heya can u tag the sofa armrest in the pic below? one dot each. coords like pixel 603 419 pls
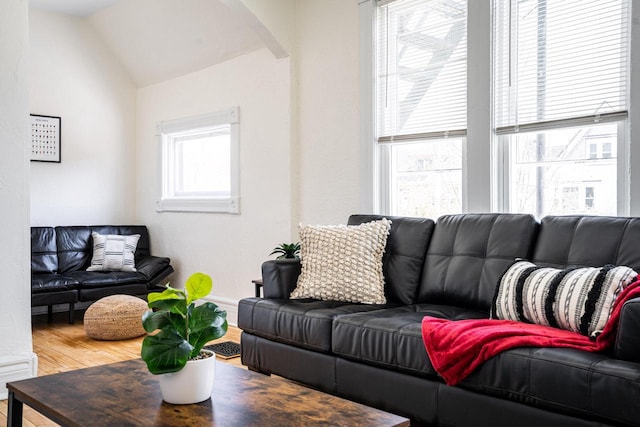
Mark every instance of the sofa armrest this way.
pixel 151 266
pixel 627 346
pixel 279 277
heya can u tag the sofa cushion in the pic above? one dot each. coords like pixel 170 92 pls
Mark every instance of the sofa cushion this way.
pixel 586 241
pixel 403 256
pixel 98 279
pixel 302 323
pixel 343 263
pixel 590 385
pixel 50 282
pixel 392 337
pixel 44 258
pixel 74 248
pixel 469 253
pixel 578 299
pixel 113 252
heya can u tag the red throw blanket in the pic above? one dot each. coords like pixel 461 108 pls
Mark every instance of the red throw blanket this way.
pixel 457 348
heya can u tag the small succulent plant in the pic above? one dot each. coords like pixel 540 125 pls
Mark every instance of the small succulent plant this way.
pixel 287 251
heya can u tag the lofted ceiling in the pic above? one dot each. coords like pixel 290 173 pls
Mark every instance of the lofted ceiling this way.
pixel 157 40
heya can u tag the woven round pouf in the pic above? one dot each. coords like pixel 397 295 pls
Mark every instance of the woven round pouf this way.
pixel 116 317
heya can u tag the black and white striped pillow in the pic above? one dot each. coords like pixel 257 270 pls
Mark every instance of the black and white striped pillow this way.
pixel 113 252
pixel 578 299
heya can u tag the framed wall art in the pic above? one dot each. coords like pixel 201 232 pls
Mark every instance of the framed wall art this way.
pixel 45 138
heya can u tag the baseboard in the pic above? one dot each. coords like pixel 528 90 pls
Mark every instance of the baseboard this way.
pixel 227 304
pixel 15 368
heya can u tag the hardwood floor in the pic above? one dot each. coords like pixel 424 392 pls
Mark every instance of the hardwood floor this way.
pixel 62 347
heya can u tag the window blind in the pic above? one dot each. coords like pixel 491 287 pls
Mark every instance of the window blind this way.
pixel 421 70
pixel 560 61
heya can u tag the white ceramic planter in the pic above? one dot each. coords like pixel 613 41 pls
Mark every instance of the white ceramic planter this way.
pixel 191 384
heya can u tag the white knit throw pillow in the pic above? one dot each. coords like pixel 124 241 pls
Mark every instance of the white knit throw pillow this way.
pixel 343 263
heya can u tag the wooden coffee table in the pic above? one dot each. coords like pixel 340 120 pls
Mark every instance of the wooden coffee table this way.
pixel 126 394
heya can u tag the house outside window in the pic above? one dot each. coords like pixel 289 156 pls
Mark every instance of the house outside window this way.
pixel 200 163
pixel 570 198
pixel 561 76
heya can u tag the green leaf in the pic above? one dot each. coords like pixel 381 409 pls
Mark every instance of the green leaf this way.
pixel 168 294
pixel 206 315
pixel 207 322
pixel 152 320
pixel 177 306
pixel 165 352
pixel 198 285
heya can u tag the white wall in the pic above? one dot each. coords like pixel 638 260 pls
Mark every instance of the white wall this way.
pixel 17 360
pixel 329 159
pixel 228 247
pixel 278 19
pixel 73 75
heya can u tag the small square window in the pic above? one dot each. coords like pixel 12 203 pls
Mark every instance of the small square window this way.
pixel 200 171
pixel 589 197
pixel 203 163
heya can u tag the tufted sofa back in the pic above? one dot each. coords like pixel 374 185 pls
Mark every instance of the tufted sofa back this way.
pixel 75 245
pixel 468 253
pixel 588 241
pixel 404 254
pixel 70 248
pixel 44 255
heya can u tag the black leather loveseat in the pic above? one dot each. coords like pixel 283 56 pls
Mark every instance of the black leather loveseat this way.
pixel 374 354
pixel 60 257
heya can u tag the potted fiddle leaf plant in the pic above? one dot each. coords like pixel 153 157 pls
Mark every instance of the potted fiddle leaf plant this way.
pixel 175 353
pixel 287 251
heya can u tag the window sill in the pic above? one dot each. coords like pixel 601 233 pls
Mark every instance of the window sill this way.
pixel 225 205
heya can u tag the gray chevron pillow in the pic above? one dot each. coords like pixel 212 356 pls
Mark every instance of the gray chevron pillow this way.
pixel 112 252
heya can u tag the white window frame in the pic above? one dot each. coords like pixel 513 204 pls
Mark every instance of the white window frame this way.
pixel 171 131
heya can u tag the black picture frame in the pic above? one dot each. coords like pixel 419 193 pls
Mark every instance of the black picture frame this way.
pixel 46 138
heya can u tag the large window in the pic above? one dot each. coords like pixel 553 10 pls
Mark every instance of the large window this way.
pixel 561 73
pixel 421 110
pixel 200 168
pixel 543 127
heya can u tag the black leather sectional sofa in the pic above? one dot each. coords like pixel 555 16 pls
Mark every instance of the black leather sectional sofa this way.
pixel 374 354
pixel 61 255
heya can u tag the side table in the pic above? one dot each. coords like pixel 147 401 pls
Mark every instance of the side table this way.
pixel 258 285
